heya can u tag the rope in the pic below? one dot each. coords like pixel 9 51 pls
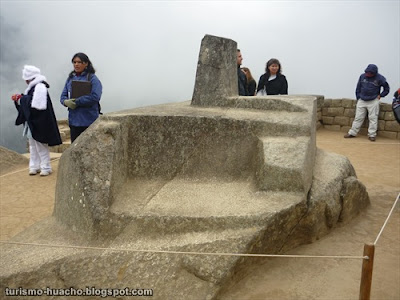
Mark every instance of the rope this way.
pixel 387 219
pixel 183 252
pixel 204 253
pixel 24 169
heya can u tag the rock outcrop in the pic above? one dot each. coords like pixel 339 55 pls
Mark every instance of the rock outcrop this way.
pixel 218 174
pixel 10 159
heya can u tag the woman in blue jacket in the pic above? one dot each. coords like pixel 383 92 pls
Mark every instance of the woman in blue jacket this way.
pixel 85 109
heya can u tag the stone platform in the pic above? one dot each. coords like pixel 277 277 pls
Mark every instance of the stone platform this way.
pixel 233 175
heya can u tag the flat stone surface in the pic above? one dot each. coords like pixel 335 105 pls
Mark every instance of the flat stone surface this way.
pixel 198 198
pixel 131 238
pixel 185 109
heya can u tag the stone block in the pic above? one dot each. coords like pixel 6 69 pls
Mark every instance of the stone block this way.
pixel 388 134
pixel 363 131
pixel 349 112
pixel 292 173
pixel 381 125
pixel 344 121
pixel 354 198
pixel 60 148
pixel 216 76
pixel 63 136
pixel 385 107
pixel 325 111
pixel 320 101
pixel 349 103
pixel 389 116
pixel 63 122
pixel 90 172
pixel 332 127
pixel 335 111
pixel 320 98
pixel 345 128
pixel 188 177
pixel 328 180
pixel 392 126
pixel 319 115
pixel 327 102
pixel 327 120
pixel 336 103
pixel 381 115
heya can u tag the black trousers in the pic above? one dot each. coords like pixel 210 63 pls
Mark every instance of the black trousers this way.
pixel 76 131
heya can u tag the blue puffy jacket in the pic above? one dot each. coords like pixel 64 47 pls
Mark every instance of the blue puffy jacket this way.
pixel 88 106
pixel 368 88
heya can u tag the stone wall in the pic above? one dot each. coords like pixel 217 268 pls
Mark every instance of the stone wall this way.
pixel 338 115
pixel 65 137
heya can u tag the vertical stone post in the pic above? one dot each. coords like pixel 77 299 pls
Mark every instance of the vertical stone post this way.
pixel 216 76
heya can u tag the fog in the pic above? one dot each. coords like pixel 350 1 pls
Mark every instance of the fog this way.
pixel 145 52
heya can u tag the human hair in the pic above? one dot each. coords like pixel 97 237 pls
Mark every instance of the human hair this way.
pixel 248 74
pixel 84 58
pixel 271 62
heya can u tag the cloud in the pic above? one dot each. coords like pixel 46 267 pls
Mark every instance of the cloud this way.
pixel 11 54
pixel 145 52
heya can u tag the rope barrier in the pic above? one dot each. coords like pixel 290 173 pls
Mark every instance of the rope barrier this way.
pixel 202 253
pixel 25 169
pixel 387 219
pixel 212 253
pixel 183 252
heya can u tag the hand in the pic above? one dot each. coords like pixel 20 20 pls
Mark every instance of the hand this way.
pixel 70 103
pixel 16 97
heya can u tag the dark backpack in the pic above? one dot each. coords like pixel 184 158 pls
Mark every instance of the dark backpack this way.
pixel 396 109
pixel 88 77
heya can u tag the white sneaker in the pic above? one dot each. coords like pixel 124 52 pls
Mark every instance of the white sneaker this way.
pixel 33 171
pixel 45 172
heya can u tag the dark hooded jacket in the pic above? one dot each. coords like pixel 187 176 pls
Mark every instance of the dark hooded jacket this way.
pixel 368 88
pixel 242 83
pixel 42 123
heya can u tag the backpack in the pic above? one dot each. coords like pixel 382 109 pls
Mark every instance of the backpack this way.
pixel 396 109
pixel 88 77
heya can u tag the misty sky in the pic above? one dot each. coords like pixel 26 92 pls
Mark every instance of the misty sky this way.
pixel 145 52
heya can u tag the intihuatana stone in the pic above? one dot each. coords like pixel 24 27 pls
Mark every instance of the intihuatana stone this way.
pixel 218 174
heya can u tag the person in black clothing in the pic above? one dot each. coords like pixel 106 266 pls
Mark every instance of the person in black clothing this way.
pixel 35 112
pixel 251 83
pixel 273 82
pixel 242 81
pixel 396 105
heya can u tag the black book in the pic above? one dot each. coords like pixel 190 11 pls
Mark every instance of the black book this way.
pixel 80 88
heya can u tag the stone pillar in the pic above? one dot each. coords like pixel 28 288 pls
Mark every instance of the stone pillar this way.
pixel 216 76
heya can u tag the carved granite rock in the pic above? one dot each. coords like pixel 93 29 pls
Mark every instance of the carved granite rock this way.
pixel 219 174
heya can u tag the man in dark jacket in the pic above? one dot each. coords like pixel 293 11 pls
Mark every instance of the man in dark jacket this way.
pixel 242 80
pixel 368 94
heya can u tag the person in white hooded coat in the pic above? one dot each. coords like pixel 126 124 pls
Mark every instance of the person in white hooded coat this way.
pixel 35 112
